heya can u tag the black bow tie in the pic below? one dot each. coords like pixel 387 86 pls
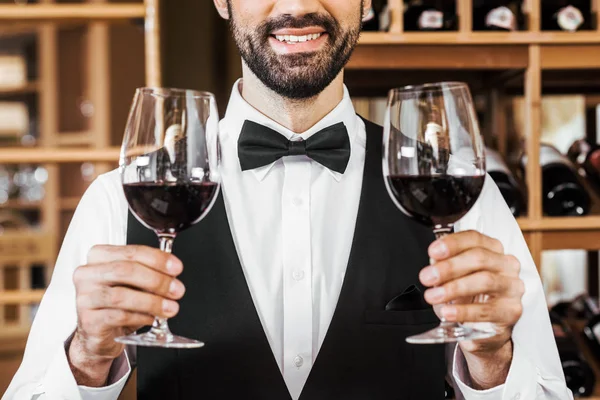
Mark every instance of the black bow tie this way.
pixel 259 146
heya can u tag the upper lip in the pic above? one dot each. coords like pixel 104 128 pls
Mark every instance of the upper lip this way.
pixel 298 32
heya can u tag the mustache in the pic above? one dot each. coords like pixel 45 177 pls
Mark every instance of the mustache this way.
pixel 328 23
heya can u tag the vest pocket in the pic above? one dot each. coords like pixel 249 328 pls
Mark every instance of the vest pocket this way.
pixel 409 317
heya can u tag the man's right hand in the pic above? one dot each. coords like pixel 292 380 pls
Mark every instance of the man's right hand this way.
pixel 120 290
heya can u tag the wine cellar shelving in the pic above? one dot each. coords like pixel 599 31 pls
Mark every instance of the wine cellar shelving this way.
pixel 530 63
pixel 489 61
pixel 77 92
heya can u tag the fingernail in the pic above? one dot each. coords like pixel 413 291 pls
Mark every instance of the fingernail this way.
pixel 176 288
pixel 173 265
pixel 438 249
pixel 430 275
pixel 436 294
pixel 170 307
pixel 449 312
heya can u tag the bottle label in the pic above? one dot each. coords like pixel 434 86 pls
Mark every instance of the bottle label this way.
pixel 431 19
pixel 501 17
pixel 596 331
pixel 495 163
pixel 570 18
pixel 370 15
pixel 550 155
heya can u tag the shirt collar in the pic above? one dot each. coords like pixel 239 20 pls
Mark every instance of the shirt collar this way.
pixel 238 111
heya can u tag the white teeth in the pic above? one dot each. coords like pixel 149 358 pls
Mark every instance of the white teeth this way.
pixel 298 39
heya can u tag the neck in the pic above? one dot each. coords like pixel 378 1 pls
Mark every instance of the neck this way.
pixel 295 115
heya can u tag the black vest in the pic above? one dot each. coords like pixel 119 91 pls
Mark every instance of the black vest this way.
pixel 364 355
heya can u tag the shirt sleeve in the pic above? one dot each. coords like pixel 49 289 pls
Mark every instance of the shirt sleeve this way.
pixel 536 371
pixel 44 373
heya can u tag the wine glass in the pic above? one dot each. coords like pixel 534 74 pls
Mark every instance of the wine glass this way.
pixel 169 169
pixel 434 168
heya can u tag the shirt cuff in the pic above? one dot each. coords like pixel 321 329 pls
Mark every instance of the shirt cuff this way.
pixel 117 378
pixel 59 382
pixel 521 382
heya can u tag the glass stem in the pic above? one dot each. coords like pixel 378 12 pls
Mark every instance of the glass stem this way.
pixel 439 234
pixel 160 327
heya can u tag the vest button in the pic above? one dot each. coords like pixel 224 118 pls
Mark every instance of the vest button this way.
pixel 298 275
pixel 298 361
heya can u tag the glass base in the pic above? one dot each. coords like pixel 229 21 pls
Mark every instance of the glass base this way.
pixel 168 341
pixel 450 333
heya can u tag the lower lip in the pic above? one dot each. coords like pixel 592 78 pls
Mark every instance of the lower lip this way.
pixel 300 47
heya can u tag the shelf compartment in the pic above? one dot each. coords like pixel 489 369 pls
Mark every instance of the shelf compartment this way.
pixel 71 12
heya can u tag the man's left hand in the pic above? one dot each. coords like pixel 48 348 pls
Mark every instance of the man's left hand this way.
pixel 468 264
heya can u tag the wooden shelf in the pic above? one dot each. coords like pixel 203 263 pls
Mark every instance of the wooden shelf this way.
pixel 21 205
pixel 30 87
pixel 15 332
pixel 21 296
pixel 480 38
pixel 48 155
pixel 69 203
pixel 71 12
pixel 75 138
pixel 560 224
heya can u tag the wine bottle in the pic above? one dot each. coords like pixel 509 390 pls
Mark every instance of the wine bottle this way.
pixel 582 307
pixel 506 182
pixel 429 15
pixel 496 15
pixel 591 331
pixel 579 375
pixel 566 15
pixel 586 156
pixel 371 20
pixel 563 193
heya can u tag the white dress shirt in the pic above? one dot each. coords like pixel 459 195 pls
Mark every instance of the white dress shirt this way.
pixel 273 211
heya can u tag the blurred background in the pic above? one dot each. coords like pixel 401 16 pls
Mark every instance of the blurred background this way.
pixel 68 70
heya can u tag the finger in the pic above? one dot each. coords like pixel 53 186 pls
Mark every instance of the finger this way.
pixel 456 243
pixel 127 299
pixel 469 286
pixel 100 319
pixel 468 262
pixel 128 273
pixel 151 257
pixel 503 313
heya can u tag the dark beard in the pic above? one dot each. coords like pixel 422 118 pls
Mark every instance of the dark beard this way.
pixel 296 76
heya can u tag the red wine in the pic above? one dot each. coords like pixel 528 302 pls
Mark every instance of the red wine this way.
pixel 436 200
pixel 169 208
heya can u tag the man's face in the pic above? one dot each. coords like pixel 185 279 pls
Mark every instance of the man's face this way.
pixel 296 47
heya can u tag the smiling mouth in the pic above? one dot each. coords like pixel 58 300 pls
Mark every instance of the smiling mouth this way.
pixel 293 39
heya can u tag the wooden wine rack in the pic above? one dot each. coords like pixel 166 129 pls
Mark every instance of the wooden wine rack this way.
pixel 381 60
pixel 19 250
pixel 395 58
